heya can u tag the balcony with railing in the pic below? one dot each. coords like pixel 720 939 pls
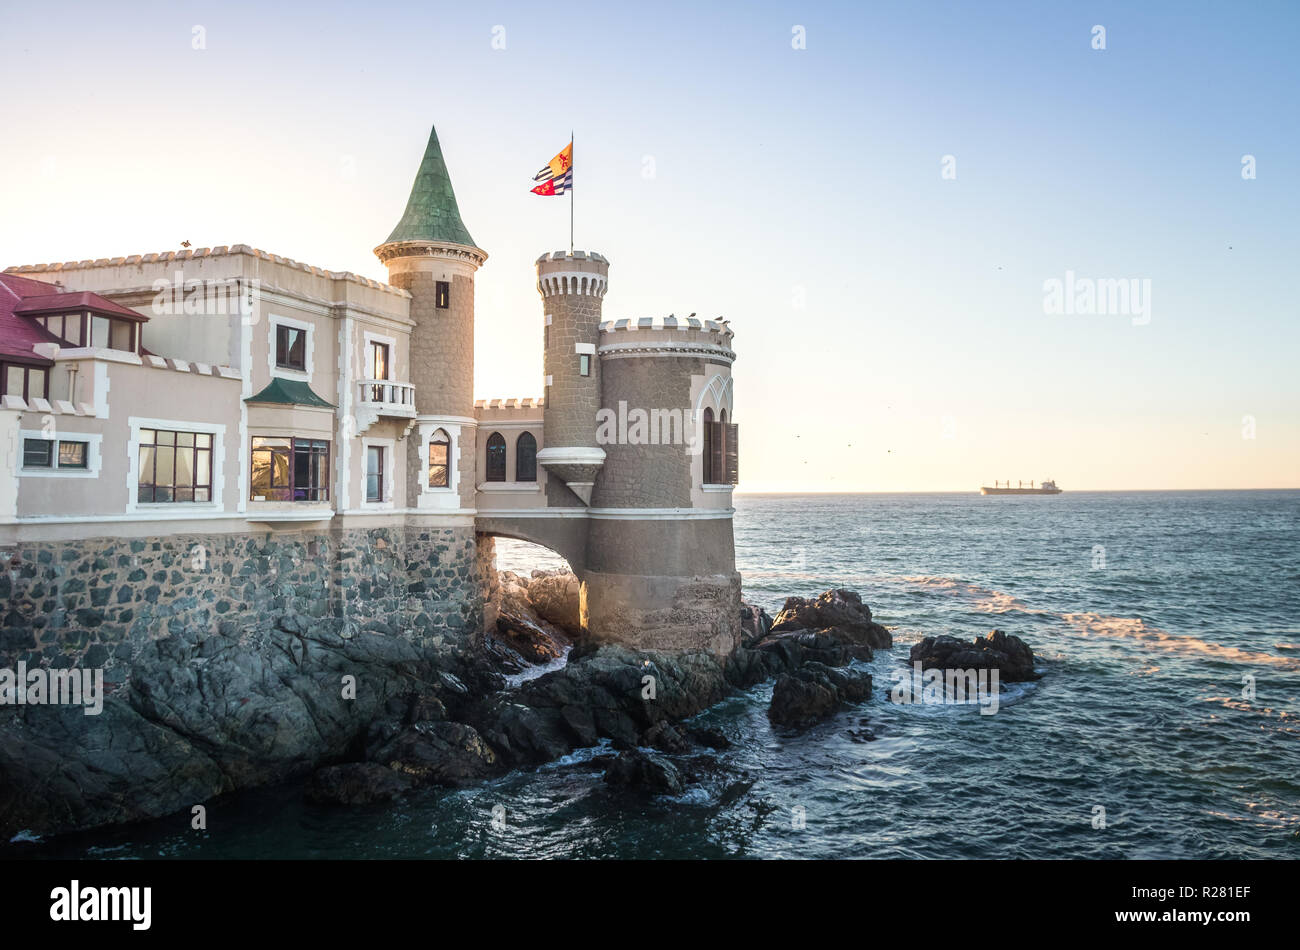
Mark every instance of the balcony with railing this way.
pixel 386 397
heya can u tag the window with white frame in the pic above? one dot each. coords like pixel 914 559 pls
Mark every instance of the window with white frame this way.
pixel 65 454
pixel 291 347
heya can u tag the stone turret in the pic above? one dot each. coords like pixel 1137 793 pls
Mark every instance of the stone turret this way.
pixel 431 254
pixel 572 285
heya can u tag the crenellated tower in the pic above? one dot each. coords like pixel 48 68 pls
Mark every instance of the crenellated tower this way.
pixel 572 285
pixel 431 254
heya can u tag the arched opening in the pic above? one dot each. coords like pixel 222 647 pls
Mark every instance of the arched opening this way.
pixel 496 458
pixel 526 458
pixel 532 613
pixel 707 457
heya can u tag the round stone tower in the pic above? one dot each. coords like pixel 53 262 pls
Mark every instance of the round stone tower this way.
pixel 431 254
pixel 572 285
pixel 661 567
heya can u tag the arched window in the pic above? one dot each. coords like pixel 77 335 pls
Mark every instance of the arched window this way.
pixel 439 460
pixel 496 457
pixel 707 458
pixel 526 458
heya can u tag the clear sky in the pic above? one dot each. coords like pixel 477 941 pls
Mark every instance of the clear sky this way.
pixel 890 322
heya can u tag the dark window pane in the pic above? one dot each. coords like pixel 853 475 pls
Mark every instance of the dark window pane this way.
pixel 496 457
pixel 526 458
pixel 442 294
pixel 38 453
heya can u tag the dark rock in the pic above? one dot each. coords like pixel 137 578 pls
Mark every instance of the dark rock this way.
pixel 356 783
pixel 605 694
pixel 665 737
pixel 708 737
pixel 839 612
pixel 799 702
pixel 1010 656
pixel 645 770
pixel 814 692
pixel 754 624
pixel 439 753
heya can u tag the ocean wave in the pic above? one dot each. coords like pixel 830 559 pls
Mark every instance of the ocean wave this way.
pixel 986 599
pixel 1135 628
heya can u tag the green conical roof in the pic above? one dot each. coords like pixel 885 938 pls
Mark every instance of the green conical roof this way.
pixel 431 212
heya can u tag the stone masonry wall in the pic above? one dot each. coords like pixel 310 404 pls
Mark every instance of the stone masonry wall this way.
pixel 571 400
pixel 442 344
pixel 97 603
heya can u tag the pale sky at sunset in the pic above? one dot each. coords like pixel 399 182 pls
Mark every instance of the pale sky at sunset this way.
pixel 889 323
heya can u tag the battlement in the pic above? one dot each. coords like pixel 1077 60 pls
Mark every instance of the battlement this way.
pixel 585 273
pixel 526 403
pixel 199 253
pixel 670 335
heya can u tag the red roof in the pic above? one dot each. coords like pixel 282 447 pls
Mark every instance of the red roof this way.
pixel 18 334
pixel 63 303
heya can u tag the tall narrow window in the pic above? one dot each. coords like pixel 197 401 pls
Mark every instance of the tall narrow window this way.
pixel 290 347
pixel 526 458
pixel 379 364
pixel 584 364
pixel 496 457
pixel 378 369
pixel 374 473
pixel 730 451
pixel 442 294
pixel 706 458
pixel 439 460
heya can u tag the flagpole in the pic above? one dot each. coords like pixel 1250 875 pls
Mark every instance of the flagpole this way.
pixel 570 194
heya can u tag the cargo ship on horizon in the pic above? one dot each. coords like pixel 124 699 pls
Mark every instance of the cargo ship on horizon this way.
pixel 1046 488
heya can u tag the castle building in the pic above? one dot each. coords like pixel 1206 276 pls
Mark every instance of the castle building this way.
pixel 223 438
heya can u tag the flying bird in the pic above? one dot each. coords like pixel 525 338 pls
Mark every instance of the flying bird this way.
pixel 185 243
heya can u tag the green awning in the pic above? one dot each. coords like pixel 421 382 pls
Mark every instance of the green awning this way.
pixel 431 212
pixel 289 392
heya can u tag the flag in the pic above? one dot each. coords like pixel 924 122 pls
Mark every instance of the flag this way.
pixel 557 166
pixel 556 186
